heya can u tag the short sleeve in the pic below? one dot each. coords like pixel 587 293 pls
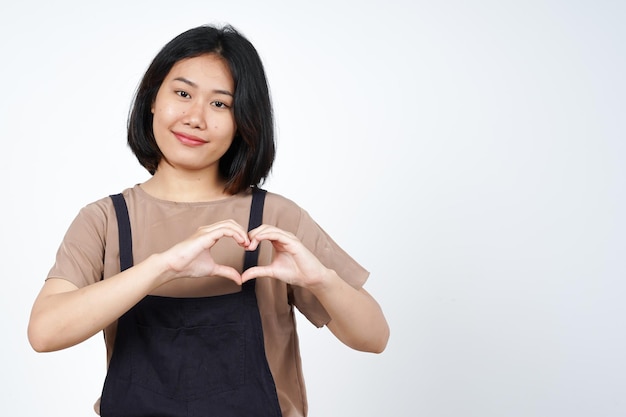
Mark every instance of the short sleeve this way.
pixel 80 257
pixel 332 256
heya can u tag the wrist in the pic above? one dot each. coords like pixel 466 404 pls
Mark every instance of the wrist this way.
pixel 159 269
pixel 327 282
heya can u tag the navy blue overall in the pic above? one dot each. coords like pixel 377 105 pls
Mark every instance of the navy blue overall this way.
pixel 190 356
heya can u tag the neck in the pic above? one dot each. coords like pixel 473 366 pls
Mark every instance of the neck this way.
pixel 184 186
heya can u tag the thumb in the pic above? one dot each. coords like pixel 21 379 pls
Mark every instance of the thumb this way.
pixel 256 272
pixel 228 272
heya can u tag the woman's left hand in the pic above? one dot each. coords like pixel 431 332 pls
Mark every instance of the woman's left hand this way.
pixel 356 318
pixel 293 263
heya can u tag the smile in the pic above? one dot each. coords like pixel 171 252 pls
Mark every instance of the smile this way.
pixel 189 140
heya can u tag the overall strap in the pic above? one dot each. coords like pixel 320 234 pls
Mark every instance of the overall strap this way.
pixel 256 219
pixel 125 235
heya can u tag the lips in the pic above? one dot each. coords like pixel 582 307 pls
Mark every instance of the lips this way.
pixel 189 140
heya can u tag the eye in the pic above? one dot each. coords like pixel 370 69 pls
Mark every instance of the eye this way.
pixel 183 94
pixel 220 104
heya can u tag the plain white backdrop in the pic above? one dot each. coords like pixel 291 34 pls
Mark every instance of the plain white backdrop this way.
pixel 471 155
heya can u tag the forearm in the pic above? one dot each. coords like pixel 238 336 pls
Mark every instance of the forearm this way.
pixel 356 318
pixel 63 316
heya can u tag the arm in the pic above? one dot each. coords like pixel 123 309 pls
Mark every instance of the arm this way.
pixel 356 318
pixel 64 315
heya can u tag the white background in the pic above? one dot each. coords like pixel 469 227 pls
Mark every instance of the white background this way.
pixel 471 155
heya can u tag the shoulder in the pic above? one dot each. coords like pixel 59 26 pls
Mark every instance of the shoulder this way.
pixel 98 213
pixel 277 201
pixel 104 206
pixel 288 215
pixel 282 212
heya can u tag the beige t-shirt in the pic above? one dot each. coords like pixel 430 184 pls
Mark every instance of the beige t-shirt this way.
pixel 90 252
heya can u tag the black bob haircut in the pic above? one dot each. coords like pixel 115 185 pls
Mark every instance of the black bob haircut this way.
pixel 249 159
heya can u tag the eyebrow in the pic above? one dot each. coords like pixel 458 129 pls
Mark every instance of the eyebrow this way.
pixel 194 85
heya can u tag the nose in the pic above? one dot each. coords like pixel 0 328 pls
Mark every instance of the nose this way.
pixel 195 115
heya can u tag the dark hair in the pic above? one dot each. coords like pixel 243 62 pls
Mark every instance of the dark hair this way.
pixel 249 159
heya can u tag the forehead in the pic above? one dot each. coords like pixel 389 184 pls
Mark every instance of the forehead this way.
pixel 204 70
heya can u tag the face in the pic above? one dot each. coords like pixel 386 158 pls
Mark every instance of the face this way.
pixel 193 120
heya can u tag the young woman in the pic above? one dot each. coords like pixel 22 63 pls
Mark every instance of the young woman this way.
pixel 193 274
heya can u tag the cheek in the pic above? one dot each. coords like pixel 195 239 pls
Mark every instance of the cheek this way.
pixel 163 115
pixel 227 127
pixel 232 125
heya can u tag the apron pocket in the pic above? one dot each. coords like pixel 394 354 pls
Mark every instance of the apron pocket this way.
pixel 188 363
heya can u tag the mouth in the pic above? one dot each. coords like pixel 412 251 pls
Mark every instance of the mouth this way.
pixel 189 140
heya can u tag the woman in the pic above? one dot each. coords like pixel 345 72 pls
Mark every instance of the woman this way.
pixel 192 328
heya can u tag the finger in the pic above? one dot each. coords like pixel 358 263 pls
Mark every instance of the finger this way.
pixel 262 228
pixel 228 225
pixel 256 272
pixel 227 272
pixel 272 234
pixel 211 234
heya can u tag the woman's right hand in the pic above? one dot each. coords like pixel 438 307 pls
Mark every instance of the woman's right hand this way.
pixel 64 315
